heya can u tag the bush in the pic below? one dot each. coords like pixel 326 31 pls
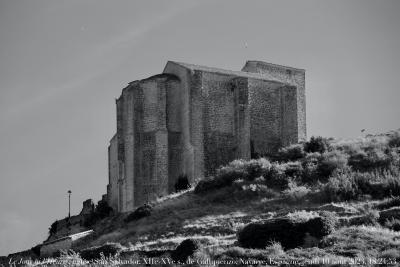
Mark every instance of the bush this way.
pixel 276 178
pixel 329 162
pixel 341 187
pixel 53 228
pixel 316 144
pixel 94 253
pixel 141 212
pixel 293 169
pixel 394 140
pixel 288 232
pixel 309 174
pixel 393 224
pixel 374 159
pixel 213 183
pixel 225 176
pixel 291 153
pixel 296 193
pixel 184 250
pixel 273 175
pixel 348 185
pixel 36 249
pixel 182 183
pixel 329 222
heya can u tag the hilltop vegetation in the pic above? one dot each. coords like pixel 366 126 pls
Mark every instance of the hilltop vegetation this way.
pixel 337 200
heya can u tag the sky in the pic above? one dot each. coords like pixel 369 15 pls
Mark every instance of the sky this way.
pixel 63 63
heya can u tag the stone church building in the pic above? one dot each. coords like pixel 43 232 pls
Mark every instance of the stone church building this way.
pixel 191 119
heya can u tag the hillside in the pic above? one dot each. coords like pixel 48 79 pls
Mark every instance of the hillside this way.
pixel 325 201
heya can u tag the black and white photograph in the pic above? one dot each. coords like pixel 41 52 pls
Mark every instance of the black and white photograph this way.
pixel 199 133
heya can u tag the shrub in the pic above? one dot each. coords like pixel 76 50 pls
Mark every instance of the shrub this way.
pixel 247 170
pixel 329 162
pixel 348 185
pixel 394 140
pixel 184 250
pixel 316 144
pixel 329 222
pixel 208 184
pixel 255 168
pixel 36 249
pixel 247 190
pixel 141 212
pixel 340 187
pixel 291 153
pixel 276 178
pixel 393 224
pixel 213 183
pixel 293 169
pixel 310 164
pixel 296 193
pixel 290 233
pixel 273 175
pixel 374 159
pixel 225 176
pixel 182 183
pixel 108 250
pixel 53 228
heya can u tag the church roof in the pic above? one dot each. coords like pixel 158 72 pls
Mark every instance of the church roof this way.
pixel 224 71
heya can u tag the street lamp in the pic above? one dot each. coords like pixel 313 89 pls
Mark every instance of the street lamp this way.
pixel 69 204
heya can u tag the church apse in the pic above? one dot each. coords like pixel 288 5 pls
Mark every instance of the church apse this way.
pixel 192 119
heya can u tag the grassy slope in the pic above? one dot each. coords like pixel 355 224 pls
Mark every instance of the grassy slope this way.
pixel 215 217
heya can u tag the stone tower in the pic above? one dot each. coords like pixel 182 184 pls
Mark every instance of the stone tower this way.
pixel 191 119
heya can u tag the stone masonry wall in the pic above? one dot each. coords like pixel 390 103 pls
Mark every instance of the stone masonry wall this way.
pixel 265 117
pixel 144 135
pixel 196 104
pixel 113 173
pixel 192 119
pixel 240 86
pixel 224 107
pixel 174 125
pixel 289 119
pixel 128 139
pixel 187 149
pixel 121 153
pixel 288 75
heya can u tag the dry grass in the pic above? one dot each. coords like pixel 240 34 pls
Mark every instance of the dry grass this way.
pixel 214 217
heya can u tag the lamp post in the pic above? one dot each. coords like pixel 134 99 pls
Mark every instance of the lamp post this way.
pixel 69 204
